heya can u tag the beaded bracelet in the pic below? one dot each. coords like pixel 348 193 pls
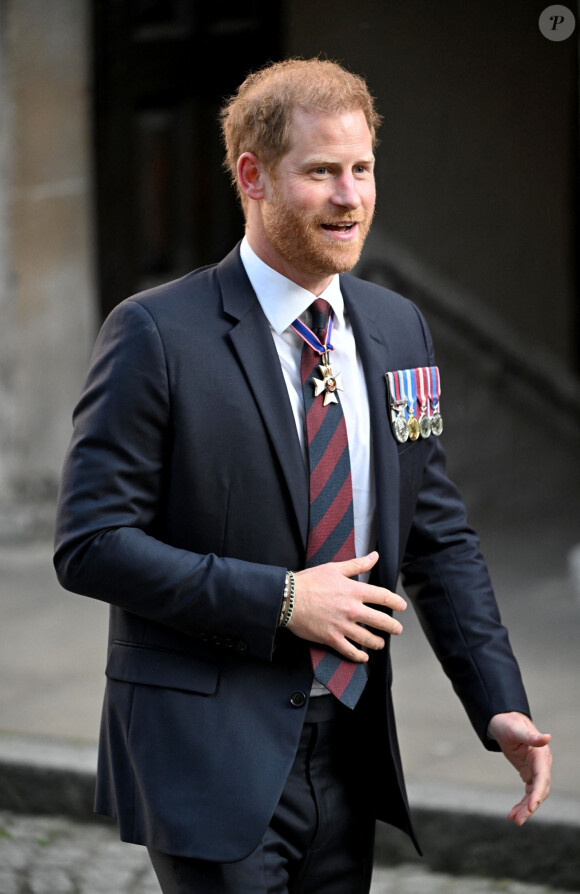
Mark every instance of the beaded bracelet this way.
pixel 287 600
pixel 284 605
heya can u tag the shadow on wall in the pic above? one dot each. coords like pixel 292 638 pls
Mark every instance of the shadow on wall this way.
pixel 512 416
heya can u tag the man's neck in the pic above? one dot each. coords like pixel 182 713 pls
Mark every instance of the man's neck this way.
pixel 267 253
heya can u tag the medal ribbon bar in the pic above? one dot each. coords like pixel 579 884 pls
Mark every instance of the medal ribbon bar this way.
pixel 414 396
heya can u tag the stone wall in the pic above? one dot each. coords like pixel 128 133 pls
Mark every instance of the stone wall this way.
pixel 46 248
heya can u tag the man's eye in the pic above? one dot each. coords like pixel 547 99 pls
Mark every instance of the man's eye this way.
pixel 321 171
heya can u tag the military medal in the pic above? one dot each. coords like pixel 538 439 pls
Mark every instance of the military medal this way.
pixel 434 395
pixel 398 404
pixel 329 383
pixel 413 426
pixel 400 427
pixel 413 422
pixel 425 426
pixel 437 424
pixel 414 398
pixel 421 375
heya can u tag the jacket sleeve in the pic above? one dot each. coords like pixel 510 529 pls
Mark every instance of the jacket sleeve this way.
pixel 106 541
pixel 448 582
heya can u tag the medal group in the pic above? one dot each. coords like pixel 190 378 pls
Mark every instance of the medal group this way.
pixel 414 396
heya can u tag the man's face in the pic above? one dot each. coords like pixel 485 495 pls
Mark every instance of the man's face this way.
pixel 320 201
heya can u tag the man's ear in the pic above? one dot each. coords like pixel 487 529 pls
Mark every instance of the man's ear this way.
pixel 252 176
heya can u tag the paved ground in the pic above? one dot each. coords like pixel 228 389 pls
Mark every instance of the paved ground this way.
pixel 48 855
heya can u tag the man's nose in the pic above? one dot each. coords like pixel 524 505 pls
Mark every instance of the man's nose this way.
pixel 346 192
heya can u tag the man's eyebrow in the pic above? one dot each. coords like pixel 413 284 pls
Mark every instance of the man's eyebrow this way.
pixel 321 161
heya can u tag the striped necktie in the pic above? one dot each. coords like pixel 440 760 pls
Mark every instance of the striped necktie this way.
pixel 331 523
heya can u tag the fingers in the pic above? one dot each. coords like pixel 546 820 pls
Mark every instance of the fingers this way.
pixel 541 776
pixel 349 644
pixel 380 596
pixel 539 740
pixel 359 565
pixel 365 638
pixel 527 734
pixel 528 751
pixel 514 729
pixel 350 640
pixel 379 620
pixel 369 593
pixel 364 615
pixel 332 609
pixel 524 809
pixel 350 651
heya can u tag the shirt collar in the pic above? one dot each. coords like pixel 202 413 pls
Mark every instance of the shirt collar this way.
pixel 281 299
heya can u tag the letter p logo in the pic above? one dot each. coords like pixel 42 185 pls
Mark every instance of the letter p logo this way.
pixel 557 22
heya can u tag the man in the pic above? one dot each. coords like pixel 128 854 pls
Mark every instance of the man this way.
pixel 223 490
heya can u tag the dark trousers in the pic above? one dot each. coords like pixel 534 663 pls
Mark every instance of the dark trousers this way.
pixel 320 839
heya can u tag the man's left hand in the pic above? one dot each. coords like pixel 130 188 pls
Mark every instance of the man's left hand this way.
pixel 527 749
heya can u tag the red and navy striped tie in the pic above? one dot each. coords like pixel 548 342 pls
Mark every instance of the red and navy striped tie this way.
pixel 331 525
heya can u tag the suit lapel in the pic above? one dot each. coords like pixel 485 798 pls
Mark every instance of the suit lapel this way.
pixel 373 346
pixel 253 343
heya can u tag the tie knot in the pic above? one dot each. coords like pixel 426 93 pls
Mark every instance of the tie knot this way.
pixel 320 310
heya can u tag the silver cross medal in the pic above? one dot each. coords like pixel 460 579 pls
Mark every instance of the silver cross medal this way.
pixel 328 384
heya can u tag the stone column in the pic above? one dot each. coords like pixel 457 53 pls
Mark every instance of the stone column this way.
pixel 7 322
pixel 46 248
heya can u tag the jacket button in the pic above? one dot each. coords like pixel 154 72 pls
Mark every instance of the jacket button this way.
pixel 297 699
pixel 241 646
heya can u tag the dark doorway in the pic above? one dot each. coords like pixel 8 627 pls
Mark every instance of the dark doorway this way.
pixel 162 69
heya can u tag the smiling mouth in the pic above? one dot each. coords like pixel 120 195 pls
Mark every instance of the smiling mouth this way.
pixel 339 227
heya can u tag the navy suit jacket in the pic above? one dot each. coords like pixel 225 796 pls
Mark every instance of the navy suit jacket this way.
pixel 184 499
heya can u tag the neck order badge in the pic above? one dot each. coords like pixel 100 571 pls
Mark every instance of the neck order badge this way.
pixel 319 341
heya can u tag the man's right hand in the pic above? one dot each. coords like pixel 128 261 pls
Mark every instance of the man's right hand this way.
pixel 331 609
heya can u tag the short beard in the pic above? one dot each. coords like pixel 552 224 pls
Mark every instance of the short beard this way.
pixel 300 242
